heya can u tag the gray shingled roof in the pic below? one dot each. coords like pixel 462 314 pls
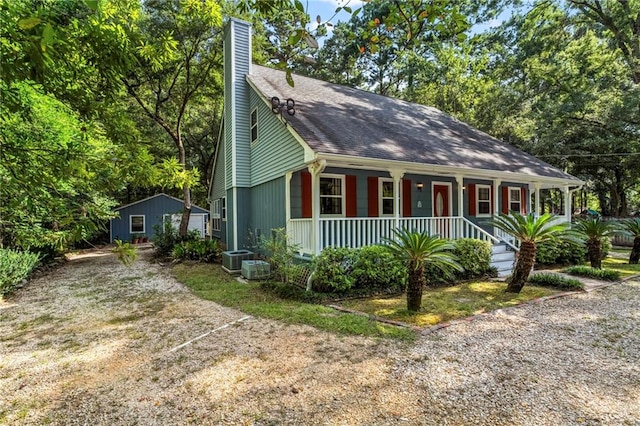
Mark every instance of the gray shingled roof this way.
pixel 335 119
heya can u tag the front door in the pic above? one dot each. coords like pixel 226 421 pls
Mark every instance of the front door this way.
pixel 441 209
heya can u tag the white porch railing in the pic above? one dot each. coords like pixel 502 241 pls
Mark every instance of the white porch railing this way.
pixel 358 232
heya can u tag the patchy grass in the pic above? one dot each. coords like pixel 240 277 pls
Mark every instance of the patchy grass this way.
pixel 449 303
pixel 622 266
pixel 211 283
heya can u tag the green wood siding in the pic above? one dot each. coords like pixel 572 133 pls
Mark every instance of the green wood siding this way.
pixel 276 151
pixel 268 207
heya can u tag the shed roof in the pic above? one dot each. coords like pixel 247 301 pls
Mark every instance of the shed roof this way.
pixel 162 194
pixel 335 119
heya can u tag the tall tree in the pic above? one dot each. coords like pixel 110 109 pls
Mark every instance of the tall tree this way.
pixel 172 56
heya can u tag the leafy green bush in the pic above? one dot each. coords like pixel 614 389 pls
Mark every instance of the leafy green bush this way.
pixel 546 279
pixel 333 269
pixel 474 256
pixel 200 250
pixel 280 254
pixel 14 267
pixel 166 237
pixel 561 253
pixel 126 252
pixel 375 268
pixel 599 274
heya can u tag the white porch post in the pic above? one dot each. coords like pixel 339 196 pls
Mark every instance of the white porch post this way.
pixel 460 183
pixel 287 203
pixel 536 187
pixel 496 193
pixel 567 203
pixel 316 168
pixel 397 188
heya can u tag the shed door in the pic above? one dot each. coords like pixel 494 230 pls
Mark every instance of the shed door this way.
pixel 197 221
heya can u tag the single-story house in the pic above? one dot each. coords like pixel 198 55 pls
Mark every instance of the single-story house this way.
pixel 338 166
pixel 140 217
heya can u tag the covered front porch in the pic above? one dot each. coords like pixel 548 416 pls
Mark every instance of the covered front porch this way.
pixel 329 205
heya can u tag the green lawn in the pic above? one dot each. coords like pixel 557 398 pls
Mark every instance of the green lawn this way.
pixel 210 282
pixel 621 265
pixel 448 303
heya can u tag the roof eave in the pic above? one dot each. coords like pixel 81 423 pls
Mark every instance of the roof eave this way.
pixel 348 161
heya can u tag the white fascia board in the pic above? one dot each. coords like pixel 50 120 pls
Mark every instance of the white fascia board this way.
pixel 347 161
pixel 309 154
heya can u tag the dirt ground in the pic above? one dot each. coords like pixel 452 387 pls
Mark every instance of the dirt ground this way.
pixel 94 342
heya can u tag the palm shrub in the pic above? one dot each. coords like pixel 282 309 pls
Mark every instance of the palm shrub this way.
pixel 530 231
pixel 632 227
pixel 416 250
pixel 595 230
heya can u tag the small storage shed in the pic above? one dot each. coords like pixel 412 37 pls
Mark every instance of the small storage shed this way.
pixel 139 218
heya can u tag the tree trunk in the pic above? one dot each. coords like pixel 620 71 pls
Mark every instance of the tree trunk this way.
pixel 634 258
pixel 594 249
pixel 415 285
pixel 524 263
pixel 186 191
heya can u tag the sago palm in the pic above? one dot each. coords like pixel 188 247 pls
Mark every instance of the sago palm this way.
pixel 417 250
pixel 632 227
pixel 594 231
pixel 531 231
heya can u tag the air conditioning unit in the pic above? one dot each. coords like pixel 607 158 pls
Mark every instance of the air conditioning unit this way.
pixel 232 260
pixel 255 269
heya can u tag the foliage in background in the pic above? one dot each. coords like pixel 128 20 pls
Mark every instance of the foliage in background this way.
pixel 14 267
pixel 474 256
pixel 197 249
pixel 561 253
pixel 53 181
pixel 590 272
pixel 546 279
pixel 126 252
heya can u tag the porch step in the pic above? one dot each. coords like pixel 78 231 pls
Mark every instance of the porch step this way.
pixel 502 258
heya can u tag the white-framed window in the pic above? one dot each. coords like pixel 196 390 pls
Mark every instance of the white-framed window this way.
pixel 254 125
pixel 386 192
pixel 136 224
pixel 332 195
pixel 223 208
pixel 215 215
pixel 515 199
pixel 483 200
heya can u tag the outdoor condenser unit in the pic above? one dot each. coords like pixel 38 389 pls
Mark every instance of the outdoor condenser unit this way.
pixel 232 260
pixel 255 269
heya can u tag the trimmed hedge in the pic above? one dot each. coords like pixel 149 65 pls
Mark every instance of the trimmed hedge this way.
pixel 546 279
pixel 589 272
pixel 14 267
pixel 340 270
pixel 561 253
pixel 373 268
pixel 473 255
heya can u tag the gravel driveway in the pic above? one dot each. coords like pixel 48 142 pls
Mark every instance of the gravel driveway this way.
pixel 94 343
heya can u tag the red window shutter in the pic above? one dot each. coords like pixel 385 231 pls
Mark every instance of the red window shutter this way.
pixel 307 205
pixel 523 200
pixel 471 188
pixel 505 200
pixel 406 197
pixel 351 196
pixel 372 195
